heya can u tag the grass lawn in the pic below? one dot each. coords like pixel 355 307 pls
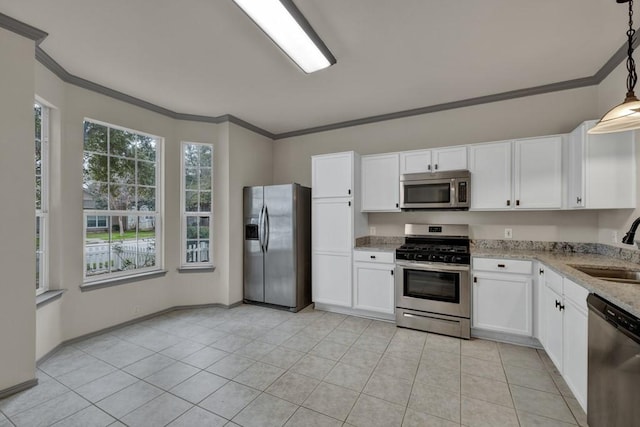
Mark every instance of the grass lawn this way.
pixel 127 235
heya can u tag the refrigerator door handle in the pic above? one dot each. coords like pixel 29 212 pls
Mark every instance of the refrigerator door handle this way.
pixel 261 229
pixel 266 228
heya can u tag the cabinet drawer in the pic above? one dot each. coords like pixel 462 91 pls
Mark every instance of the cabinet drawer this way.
pixel 553 280
pixel 374 256
pixel 576 293
pixel 507 265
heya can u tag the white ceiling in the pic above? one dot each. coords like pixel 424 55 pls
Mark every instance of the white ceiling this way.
pixel 206 57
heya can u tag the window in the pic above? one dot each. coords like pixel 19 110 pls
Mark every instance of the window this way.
pixel 41 116
pixel 95 221
pixel 121 201
pixel 197 217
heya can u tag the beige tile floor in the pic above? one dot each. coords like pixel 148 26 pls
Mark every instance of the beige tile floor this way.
pixel 255 366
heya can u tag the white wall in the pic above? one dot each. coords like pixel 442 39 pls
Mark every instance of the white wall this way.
pixel 551 113
pixel 17 215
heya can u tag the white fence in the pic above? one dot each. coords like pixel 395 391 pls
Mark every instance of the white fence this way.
pixel 198 252
pixel 102 258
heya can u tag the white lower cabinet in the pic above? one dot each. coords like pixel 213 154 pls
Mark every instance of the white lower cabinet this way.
pixel 373 287
pixel 332 279
pixel 565 336
pixel 502 302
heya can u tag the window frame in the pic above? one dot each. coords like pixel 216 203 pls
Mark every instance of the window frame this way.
pixel 88 280
pixel 184 265
pixel 42 214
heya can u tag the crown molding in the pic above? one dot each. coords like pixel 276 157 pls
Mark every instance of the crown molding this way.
pixel 38 36
pixel 20 28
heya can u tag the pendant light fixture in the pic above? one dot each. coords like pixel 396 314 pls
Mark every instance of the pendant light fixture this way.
pixel 625 116
pixel 283 22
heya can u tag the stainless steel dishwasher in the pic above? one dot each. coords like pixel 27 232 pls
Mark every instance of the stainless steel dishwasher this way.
pixel 614 366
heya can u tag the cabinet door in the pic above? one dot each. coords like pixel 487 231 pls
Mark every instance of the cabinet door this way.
pixel 331 279
pixel 553 326
pixel 332 225
pixel 502 302
pixel 490 166
pixel 576 193
pixel 611 170
pixel 539 304
pixel 418 161
pixel 538 173
pixel 332 175
pixel 449 159
pixel 381 183
pixel 373 287
pixel 575 350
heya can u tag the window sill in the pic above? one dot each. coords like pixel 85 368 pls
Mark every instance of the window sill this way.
pixel 197 269
pixel 107 283
pixel 48 297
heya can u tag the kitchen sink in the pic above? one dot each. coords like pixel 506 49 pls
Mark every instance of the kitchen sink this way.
pixel 620 275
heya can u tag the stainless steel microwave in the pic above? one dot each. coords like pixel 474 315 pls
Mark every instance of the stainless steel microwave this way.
pixel 440 190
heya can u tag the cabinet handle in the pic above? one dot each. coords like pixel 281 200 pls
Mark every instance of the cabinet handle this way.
pixel 397 205
pixel 517 202
pixel 502 266
pixel 561 307
pixel 475 279
pixel 392 272
pixel 349 191
pixel 579 200
pixel 436 166
pixel 541 271
pixel 508 202
pixel 557 303
pixel 428 167
pixel 373 257
pixel 349 203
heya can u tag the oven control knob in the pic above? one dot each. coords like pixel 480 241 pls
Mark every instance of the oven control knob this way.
pixel 456 259
pixel 447 258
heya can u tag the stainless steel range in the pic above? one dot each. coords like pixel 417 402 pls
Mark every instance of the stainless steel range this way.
pixel 433 286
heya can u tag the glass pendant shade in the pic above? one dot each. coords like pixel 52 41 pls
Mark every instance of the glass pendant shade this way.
pixel 625 116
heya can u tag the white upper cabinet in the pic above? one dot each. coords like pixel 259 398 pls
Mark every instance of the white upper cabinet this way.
pixel 381 183
pixel 418 161
pixel 602 169
pixel 490 167
pixel 538 173
pixel 332 175
pixel 525 174
pixel 450 159
pixel 436 160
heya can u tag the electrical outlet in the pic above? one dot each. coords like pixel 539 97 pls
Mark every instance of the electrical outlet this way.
pixel 372 231
pixel 508 233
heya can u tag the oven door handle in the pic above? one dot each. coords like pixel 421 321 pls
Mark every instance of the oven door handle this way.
pixel 432 267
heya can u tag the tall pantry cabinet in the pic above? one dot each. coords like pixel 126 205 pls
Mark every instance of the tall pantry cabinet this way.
pixel 336 222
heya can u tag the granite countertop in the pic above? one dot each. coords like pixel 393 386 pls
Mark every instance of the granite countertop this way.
pixel 624 295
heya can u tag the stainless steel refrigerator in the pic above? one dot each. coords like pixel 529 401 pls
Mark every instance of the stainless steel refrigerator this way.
pixel 277 245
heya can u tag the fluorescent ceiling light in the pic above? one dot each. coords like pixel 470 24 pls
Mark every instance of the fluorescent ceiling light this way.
pixel 287 27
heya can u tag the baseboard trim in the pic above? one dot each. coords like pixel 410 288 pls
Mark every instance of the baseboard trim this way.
pixel 18 388
pixel 128 323
pixel 506 338
pixel 356 312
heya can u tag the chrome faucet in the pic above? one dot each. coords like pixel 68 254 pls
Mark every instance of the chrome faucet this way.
pixel 631 234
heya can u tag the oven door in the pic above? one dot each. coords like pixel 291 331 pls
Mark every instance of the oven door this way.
pixel 428 194
pixel 433 287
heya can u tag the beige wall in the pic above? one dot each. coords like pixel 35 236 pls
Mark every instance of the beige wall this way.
pixel 552 113
pixel 17 215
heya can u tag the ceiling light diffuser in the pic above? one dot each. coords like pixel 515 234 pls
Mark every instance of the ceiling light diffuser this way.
pixel 625 116
pixel 288 28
